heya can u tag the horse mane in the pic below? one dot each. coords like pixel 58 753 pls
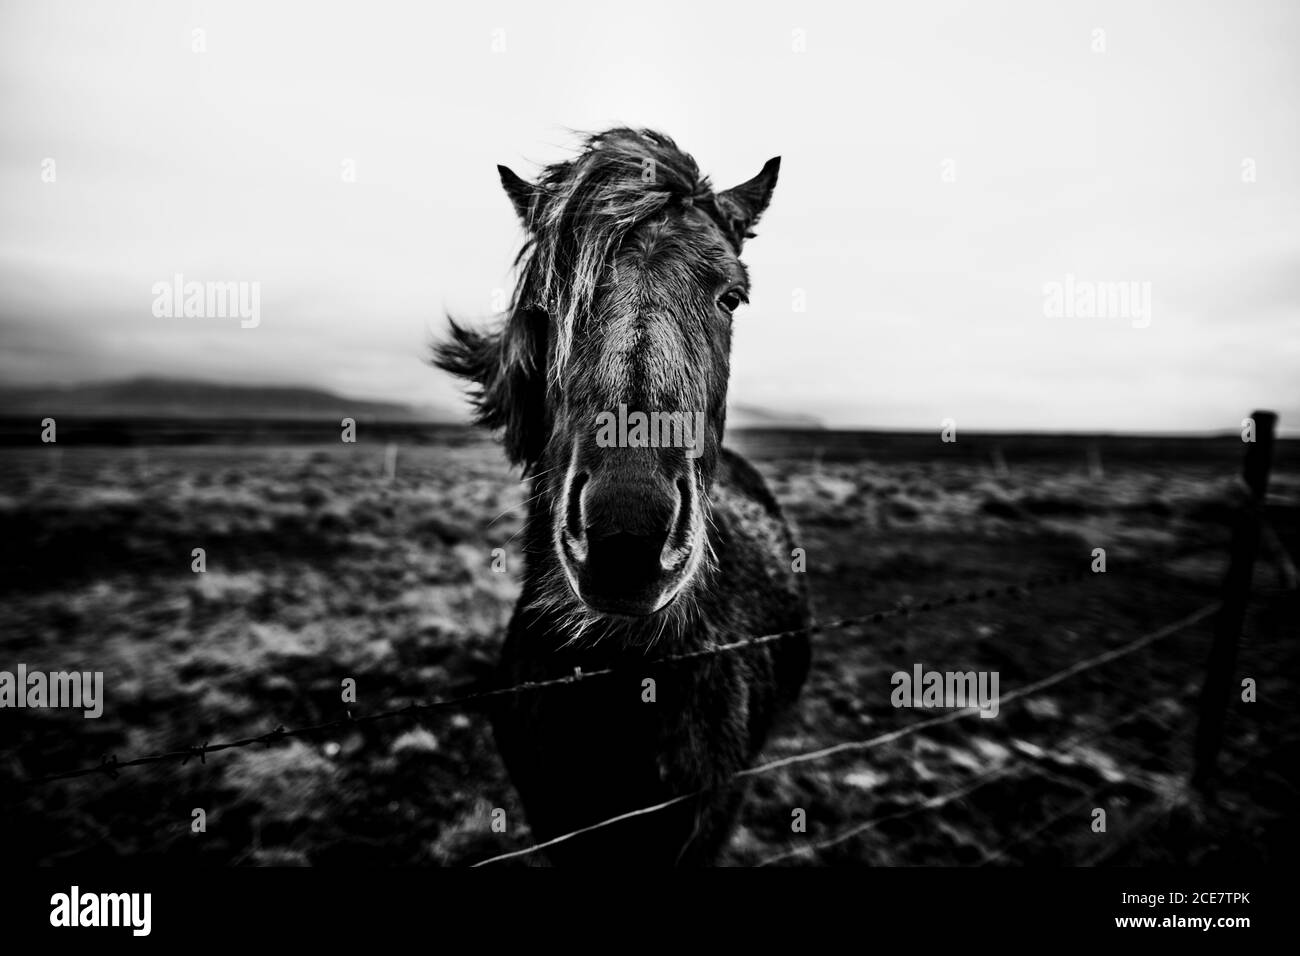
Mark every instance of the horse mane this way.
pixel 583 208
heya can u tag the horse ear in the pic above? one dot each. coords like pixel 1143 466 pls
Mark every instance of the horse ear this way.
pixel 521 192
pixel 743 205
pixel 507 380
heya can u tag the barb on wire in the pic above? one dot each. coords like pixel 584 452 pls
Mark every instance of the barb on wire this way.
pixel 184 754
pixel 889 737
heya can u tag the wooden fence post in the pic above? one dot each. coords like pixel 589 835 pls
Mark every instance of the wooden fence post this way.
pixel 1000 468
pixel 1219 670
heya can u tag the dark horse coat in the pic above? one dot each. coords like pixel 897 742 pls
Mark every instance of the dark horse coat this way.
pixel 627 287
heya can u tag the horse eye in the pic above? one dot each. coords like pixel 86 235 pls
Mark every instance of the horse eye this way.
pixel 732 300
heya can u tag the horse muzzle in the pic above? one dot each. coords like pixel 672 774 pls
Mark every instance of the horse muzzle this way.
pixel 629 539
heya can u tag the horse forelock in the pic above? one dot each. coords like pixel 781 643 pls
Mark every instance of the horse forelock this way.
pixel 586 207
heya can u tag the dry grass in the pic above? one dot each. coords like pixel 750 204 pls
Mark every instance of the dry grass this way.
pixel 318 570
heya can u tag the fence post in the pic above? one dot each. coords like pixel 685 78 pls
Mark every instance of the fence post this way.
pixel 1219 669
pixel 1000 468
pixel 1095 470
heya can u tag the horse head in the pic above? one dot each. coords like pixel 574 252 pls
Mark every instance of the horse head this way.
pixel 608 377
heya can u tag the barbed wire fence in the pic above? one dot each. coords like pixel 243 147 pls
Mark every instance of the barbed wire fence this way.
pixel 1032 763
pixel 890 737
pixel 111 765
pixel 1228 615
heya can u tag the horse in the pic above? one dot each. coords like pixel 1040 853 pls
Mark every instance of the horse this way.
pixel 646 540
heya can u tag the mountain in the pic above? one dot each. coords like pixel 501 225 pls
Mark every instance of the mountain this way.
pixel 177 398
pixel 174 398
pixel 751 416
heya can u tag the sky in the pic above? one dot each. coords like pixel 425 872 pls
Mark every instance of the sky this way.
pixel 951 173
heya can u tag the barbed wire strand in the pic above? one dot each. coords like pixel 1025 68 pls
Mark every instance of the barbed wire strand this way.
pixel 989 776
pixel 1144 819
pixel 1143 822
pixel 111 765
pixel 1163 806
pixel 1028 690
pixel 893 735
pixel 1071 810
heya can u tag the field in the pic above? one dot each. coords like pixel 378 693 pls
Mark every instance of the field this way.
pixel 322 567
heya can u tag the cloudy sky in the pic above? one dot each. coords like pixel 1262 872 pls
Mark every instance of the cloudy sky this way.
pixel 943 165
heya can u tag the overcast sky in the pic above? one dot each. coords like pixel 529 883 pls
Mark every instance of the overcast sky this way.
pixel 942 163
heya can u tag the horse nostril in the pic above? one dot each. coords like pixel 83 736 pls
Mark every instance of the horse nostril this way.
pixel 573 508
pixel 682 526
pixel 621 563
